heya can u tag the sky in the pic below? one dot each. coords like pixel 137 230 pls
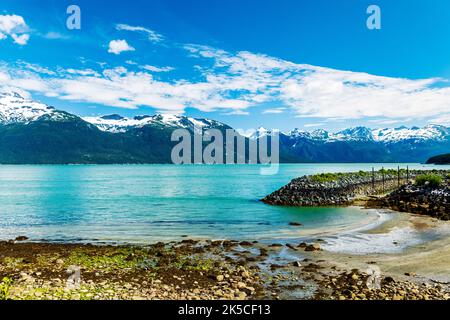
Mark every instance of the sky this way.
pixel 279 64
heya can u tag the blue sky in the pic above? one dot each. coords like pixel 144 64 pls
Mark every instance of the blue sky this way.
pixel 279 64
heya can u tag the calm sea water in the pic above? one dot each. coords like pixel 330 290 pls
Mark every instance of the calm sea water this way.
pixel 148 203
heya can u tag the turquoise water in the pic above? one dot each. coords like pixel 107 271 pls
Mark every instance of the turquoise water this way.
pixel 148 203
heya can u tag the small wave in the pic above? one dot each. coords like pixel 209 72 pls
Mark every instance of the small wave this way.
pixel 396 240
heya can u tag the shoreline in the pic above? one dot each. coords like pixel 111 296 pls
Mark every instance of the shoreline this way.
pixel 370 218
pixel 226 269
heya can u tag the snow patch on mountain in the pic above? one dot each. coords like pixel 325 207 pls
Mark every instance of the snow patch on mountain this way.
pixel 354 134
pixel 429 132
pixel 16 109
pixel 259 133
pixel 388 135
pixel 116 123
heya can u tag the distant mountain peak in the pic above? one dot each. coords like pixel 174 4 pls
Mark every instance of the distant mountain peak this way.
pixel 359 133
pixel 259 133
pixel 319 134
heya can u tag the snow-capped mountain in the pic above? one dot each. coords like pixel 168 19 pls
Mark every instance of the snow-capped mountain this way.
pixel 297 133
pixel 387 135
pixel 259 133
pixel 361 144
pixel 319 134
pixel 16 109
pixel 429 132
pixel 32 132
pixel 116 123
pixel 354 134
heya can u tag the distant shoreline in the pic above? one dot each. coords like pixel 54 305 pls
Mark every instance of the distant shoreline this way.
pixel 443 159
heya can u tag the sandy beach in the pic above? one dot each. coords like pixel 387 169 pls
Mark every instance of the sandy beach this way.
pixel 428 260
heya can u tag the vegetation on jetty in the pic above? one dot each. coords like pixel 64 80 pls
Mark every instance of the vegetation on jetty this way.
pixel 428 195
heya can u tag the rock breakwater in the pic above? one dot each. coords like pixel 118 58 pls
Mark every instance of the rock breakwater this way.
pixel 338 189
pixel 425 200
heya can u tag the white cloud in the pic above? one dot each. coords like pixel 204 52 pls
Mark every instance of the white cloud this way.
pixel 122 88
pixel 157 69
pixel 237 113
pixel 52 35
pixel 323 92
pixel 34 67
pixel 274 111
pixel 384 121
pixel 10 24
pixel 4 77
pixel 311 125
pixel 152 35
pixel 15 27
pixel 21 40
pixel 119 46
pixel 443 119
pixel 84 72
pixel 233 82
pixel 29 82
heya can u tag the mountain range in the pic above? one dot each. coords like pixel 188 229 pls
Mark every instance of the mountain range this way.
pixel 35 133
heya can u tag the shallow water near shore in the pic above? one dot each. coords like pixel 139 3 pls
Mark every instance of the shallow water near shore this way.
pixel 149 203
